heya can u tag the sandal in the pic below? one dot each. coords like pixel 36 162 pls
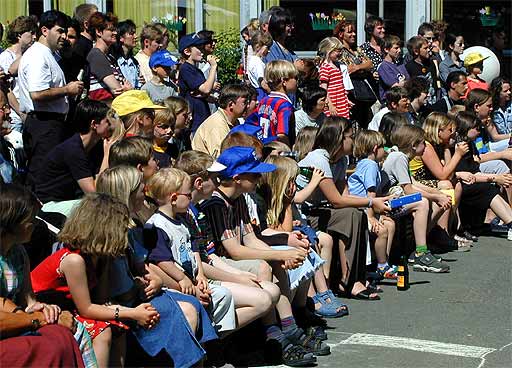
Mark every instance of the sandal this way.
pixel 338 306
pixel 327 310
pixel 317 332
pixel 365 295
pixel 297 356
pixel 311 344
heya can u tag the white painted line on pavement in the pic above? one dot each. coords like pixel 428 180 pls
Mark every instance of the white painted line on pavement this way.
pixel 427 346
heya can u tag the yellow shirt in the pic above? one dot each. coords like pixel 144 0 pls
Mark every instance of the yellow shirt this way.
pixel 211 133
pixel 416 163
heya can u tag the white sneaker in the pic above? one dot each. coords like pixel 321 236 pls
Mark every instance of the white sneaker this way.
pixel 509 234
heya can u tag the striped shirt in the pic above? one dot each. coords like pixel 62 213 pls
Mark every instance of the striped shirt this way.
pixel 336 92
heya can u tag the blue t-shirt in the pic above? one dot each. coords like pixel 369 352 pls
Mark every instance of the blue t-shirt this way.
pixel 190 79
pixel 389 74
pixel 366 178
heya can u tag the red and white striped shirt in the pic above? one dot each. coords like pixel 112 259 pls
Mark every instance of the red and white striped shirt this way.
pixel 336 92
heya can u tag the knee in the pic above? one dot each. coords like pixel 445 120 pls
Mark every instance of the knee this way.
pixel 383 232
pixel 265 271
pixel 190 313
pixel 325 240
pixel 272 290
pixel 424 205
pixel 445 184
pixel 264 302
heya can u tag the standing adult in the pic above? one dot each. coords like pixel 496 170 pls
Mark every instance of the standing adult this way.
pixel 122 51
pixel 452 62
pixel 372 49
pixel 43 90
pixel 359 68
pixel 21 34
pixel 84 43
pixel 280 27
pixel 106 79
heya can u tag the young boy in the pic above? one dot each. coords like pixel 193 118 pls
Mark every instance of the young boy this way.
pixel 474 64
pixel 161 85
pixel 191 81
pixel 390 74
pixel 174 254
pixel 422 64
pixel 150 42
pixel 364 182
pixel 397 99
pixel 253 298
pixel 234 240
pixel 275 112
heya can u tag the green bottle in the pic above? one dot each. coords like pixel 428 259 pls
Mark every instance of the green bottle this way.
pixel 307 172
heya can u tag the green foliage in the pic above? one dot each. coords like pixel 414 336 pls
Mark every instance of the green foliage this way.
pixel 4 44
pixel 229 51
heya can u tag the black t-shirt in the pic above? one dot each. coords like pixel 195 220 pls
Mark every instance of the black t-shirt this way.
pixel 227 219
pixel 445 104
pixel 63 167
pixel 79 57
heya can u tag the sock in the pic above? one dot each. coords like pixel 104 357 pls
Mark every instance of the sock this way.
pixel 382 265
pixel 288 325
pixel 420 249
pixel 273 332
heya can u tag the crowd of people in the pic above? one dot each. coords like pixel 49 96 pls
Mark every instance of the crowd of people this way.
pixel 142 203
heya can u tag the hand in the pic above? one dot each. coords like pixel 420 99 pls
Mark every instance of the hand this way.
pixel 297 240
pixel 505 180
pixel 202 282
pixel 127 85
pixel 146 315
pixel 248 279
pixel 212 60
pixel 444 201
pixel 204 296
pixel 352 68
pixel 74 88
pixel 187 287
pixel 379 204
pixel 296 255
pixel 217 86
pixel 375 225
pixel 461 148
pixel 67 320
pixel 107 143
pixel 154 285
pixel 317 176
pixel 332 109
pixel 51 312
pixel 466 177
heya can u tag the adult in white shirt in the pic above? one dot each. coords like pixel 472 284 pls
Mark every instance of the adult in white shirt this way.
pixel 43 90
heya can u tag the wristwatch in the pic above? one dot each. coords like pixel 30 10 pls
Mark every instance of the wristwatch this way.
pixel 36 324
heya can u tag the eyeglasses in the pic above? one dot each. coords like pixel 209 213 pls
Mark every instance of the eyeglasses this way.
pixel 188 195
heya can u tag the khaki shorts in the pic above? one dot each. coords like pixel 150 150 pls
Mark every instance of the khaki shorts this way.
pixel 248 265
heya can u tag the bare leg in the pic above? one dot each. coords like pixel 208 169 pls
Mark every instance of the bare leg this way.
pixel 325 243
pixel 118 351
pixel 101 345
pixel 502 209
pixel 381 244
pixel 420 222
pixel 190 313
pixel 390 227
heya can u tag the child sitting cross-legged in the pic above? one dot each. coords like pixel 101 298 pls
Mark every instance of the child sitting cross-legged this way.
pixel 364 182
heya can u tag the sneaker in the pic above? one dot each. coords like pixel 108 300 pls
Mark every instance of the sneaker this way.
pixel 388 272
pixel 428 263
pixel 412 257
pixel 509 234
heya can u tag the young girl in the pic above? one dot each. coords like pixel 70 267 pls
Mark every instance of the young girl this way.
pixel 331 78
pixel 474 64
pixel 279 191
pixel 82 266
pixel 180 140
pixel 337 213
pixel 261 43
pixel 304 142
pixel 477 192
pixel 133 280
pixel 364 182
pixel 410 142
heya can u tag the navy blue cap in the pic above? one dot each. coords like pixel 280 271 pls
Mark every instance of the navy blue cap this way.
pixel 242 160
pixel 192 39
pixel 254 130
pixel 162 58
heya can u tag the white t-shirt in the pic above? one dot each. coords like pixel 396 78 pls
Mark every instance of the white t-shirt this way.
pixel 39 71
pixel 7 57
pixel 255 70
pixel 375 123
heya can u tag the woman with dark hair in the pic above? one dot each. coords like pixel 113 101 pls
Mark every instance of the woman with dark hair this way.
pixel 502 107
pixel 122 51
pixel 359 67
pixel 454 47
pixel 280 27
pixel 334 211
pixel 372 49
pixel 106 79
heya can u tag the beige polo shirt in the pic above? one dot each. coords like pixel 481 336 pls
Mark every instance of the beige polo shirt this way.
pixel 211 133
pixel 145 70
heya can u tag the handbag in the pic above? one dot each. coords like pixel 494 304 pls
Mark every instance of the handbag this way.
pixel 363 91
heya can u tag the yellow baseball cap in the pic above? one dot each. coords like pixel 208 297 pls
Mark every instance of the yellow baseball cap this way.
pixel 473 58
pixel 133 101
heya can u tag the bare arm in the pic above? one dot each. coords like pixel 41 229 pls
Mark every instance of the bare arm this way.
pixel 207 86
pixel 70 89
pixel 87 184
pixel 433 163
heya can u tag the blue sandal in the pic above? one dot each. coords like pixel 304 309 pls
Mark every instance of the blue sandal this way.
pixel 329 310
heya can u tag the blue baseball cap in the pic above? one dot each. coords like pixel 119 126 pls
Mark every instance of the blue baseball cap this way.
pixel 162 58
pixel 192 39
pixel 254 130
pixel 240 160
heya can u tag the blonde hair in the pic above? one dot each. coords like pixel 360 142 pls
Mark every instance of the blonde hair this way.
pixel 260 39
pixel 117 130
pixel 275 184
pixel 277 70
pixel 304 141
pixel 120 182
pixel 98 226
pixel 433 123
pixel 166 181
pixel 365 142
pixel 176 105
pixel 407 136
pixel 328 45
pixel 455 110
pixel 164 116
pixel 194 163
